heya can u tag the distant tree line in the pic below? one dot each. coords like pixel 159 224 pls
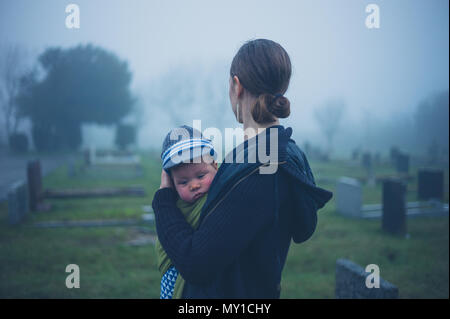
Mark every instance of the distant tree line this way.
pixel 65 89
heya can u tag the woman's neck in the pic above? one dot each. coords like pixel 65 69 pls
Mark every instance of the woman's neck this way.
pixel 251 128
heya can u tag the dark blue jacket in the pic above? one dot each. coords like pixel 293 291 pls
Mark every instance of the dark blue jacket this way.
pixel 247 224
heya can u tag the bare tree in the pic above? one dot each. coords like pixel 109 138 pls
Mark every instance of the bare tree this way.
pixel 12 67
pixel 329 116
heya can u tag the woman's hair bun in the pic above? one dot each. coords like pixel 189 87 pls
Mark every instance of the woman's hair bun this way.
pixel 280 107
pixel 269 107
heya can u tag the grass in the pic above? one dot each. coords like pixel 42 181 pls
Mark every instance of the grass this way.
pixel 33 260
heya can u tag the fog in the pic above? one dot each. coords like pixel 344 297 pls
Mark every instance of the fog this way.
pixel 186 47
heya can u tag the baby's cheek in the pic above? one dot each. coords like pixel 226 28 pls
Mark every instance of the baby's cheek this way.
pixel 183 193
pixel 208 181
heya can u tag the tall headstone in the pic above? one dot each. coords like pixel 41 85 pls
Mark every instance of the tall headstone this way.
pixel 17 203
pixel 34 175
pixel 87 157
pixel 351 283
pixel 348 197
pixel 394 207
pixel 367 160
pixel 368 166
pixel 402 163
pixel 430 184
pixel 377 158
pixel 355 154
pixel 394 151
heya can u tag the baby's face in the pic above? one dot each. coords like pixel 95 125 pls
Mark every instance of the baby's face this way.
pixel 192 180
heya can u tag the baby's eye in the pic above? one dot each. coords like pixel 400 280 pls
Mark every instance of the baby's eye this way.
pixel 201 176
pixel 182 183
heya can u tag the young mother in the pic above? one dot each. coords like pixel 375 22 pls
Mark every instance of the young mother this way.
pixel 250 217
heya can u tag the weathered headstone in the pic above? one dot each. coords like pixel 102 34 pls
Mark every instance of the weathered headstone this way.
pixel 351 283
pixel 393 154
pixel 402 163
pixel 87 157
pixel 34 175
pixel 430 184
pixel 394 207
pixel 367 164
pixel 355 154
pixel 17 203
pixel 377 158
pixel 367 160
pixel 348 197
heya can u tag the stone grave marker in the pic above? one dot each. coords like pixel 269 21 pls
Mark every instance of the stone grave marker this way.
pixel 351 283
pixel 394 207
pixel 367 160
pixel 430 184
pixel 377 158
pixel 17 203
pixel 348 197
pixel 34 184
pixel 394 151
pixel 402 163
pixel 355 154
pixel 368 165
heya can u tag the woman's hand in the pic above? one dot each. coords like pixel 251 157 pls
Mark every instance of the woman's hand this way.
pixel 166 181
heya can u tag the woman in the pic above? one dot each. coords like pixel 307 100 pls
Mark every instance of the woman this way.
pixel 250 217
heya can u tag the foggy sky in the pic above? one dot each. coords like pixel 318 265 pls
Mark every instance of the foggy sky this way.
pixel 377 71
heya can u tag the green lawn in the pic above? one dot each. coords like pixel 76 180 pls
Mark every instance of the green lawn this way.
pixel 33 260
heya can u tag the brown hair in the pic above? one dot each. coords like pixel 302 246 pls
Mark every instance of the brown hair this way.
pixel 264 69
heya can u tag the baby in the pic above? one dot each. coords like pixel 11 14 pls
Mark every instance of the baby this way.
pixel 189 159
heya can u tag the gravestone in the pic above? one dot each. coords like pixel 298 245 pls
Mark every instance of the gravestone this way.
pixel 430 184
pixel 402 163
pixel 17 203
pixel 393 154
pixel 367 161
pixel 351 283
pixel 87 158
pixel 348 197
pixel 355 154
pixel 367 164
pixel 394 207
pixel 34 184
pixel 377 158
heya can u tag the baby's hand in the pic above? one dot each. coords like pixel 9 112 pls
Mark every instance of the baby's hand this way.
pixel 166 181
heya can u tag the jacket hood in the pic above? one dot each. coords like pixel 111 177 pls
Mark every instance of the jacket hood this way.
pixel 308 198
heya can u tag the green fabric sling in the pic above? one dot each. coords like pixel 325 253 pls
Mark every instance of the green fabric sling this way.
pixel 191 213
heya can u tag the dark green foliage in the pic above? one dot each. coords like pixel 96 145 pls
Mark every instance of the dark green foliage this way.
pixel 18 142
pixel 85 84
pixel 125 135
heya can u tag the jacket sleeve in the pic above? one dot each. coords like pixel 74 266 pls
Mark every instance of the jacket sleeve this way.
pixel 200 255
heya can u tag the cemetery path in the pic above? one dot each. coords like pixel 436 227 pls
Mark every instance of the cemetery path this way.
pixel 14 168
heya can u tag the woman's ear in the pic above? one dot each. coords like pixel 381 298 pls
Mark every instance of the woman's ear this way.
pixel 237 86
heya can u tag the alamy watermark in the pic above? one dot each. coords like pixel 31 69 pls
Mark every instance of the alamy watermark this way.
pixel 262 146
pixel 73 17
pixel 73 280
pixel 373 279
pixel 373 19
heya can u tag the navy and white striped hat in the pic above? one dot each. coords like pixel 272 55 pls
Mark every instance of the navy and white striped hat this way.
pixel 182 145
